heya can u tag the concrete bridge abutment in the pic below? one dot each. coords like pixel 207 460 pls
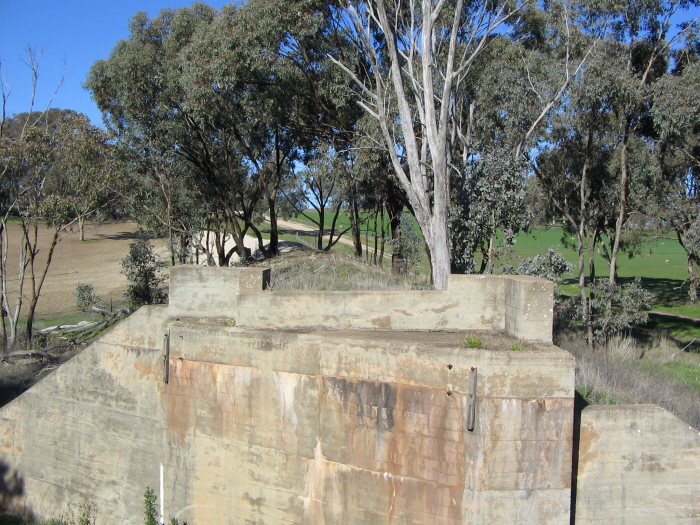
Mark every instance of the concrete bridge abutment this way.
pixel 308 407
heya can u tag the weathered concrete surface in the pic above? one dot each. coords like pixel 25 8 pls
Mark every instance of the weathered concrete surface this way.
pixel 210 291
pixel 357 427
pixel 529 306
pixel 310 407
pixel 519 304
pixel 285 426
pixel 91 432
pixel 637 464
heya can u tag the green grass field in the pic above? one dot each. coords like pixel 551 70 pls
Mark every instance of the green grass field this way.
pixel 661 264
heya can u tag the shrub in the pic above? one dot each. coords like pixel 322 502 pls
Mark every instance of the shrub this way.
pixel 150 503
pixel 615 308
pixel 549 265
pixel 86 516
pixel 86 298
pixel 144 274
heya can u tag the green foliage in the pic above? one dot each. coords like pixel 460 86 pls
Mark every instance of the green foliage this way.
pixel 407 245
pixel 550 265
pixel 86 515
pixel 144 273
pixel 490 199
pixel 616 308
pixel 517 346
pixel 86 298
pixel 150 506
pixel 472 341
pixel 595 397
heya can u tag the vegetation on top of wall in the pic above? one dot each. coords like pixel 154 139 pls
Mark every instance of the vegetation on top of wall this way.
pixel 330 271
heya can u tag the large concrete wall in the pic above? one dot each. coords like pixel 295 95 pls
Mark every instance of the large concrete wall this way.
pixel 351 427
pixel 297 427
pixel 637 464
pixel 293 425
pixel 92 431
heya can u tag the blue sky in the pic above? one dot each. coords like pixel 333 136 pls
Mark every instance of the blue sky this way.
pixel 75 31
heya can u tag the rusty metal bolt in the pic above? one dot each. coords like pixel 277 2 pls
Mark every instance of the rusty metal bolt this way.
pixel 449 367
pixel 449 392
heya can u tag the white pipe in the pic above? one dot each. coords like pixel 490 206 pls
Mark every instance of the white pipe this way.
pixel 162 504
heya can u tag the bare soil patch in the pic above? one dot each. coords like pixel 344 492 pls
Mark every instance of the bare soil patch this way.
pixel 95 261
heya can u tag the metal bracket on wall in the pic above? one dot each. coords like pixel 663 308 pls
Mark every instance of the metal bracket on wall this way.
pixel 166 357
pixel 471 404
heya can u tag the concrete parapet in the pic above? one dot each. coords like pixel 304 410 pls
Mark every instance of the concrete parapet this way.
pixel 211 291
pixel 519 304
pixel 637 464
pixel 529 307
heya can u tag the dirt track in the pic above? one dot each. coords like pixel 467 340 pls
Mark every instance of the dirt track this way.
pixel 95 261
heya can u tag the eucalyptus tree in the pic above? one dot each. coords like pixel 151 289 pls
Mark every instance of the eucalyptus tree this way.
pixel 380 196
pixel 676 113
pixel 488 181
pixel 649 33
pixel 155 187
pixel 46 177
pixel 232 92
pixel 142 94
pixel 573 167
pixel 238 64
pixel 320 186
pixel 412 61
pixel 84 162
pixel 137 90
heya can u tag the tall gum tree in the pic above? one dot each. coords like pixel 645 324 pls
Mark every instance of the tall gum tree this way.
pixel 412 59
pixel 649 31
pixel 676 113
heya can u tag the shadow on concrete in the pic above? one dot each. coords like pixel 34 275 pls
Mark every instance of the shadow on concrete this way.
pixel 11 489
pixel 579 404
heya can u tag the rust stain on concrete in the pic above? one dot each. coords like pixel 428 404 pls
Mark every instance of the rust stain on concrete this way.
pixel 412 437
pixel 383 322
pixel 146 366
pixel 444 308
pixel 589 438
